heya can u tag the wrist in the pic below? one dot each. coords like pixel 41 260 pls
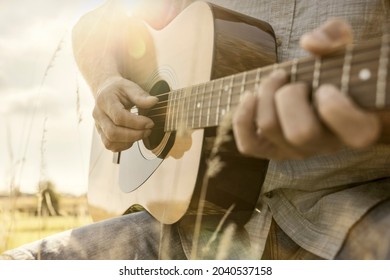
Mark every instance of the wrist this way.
pixel 105 83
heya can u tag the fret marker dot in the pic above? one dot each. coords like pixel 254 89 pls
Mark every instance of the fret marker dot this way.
pixel 223 112
pixel 198 105
pixel 365 74
pixel 226 88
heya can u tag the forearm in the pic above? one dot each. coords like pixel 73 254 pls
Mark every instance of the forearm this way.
pixel 102 42
pixel 99 44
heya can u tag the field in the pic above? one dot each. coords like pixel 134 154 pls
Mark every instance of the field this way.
pixel 19 223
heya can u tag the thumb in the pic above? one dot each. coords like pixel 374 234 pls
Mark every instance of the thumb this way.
pixel 331 36
pixel 138 96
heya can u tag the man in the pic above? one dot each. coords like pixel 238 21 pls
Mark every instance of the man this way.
pixel 327 186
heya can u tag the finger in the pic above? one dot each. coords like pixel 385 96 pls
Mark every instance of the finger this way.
pixel 114 146
pixel 354 126
pixel 116 133
pixel 120 116
pixel 266 115
pixel 128 92
pixel 244 128
pixel 123 117
pixel 267 119
pixel 137 96
pixel 332 35
pixel 299 122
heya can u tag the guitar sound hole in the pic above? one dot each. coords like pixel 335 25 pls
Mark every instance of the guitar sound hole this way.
pixel 158 114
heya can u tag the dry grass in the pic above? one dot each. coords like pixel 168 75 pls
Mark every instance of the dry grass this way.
pixel 18 227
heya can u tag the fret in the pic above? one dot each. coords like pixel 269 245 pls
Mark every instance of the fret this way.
pixel 230 93
pixel 176 110
pixel 346 69
pixel 168 115
pixel 199 105
pixel 210 94
pixel 219 101
pixel 166 121
pixel 224 98
pixel 216 85
pixel 257 80
pixel 182 124
pixel 236 90
pixel 250 81
pixel 316 74
pixel 187 96
pixel 267 70
pixel 194 106
pixel 335 63
pixel 242 89
pixel 380 100
pixel 171 111
pixel 294 69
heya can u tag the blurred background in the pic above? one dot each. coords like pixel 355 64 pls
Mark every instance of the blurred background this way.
pixel 45 121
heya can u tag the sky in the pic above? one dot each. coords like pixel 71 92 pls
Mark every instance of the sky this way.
pixel 45 106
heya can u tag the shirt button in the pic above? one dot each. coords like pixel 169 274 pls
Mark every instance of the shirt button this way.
pixel 279 41
pixel 269 194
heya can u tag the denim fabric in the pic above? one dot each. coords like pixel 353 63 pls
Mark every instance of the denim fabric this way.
pixel 133 236
pixel 140 236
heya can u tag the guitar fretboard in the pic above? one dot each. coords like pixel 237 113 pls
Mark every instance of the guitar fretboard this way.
pixel 359 71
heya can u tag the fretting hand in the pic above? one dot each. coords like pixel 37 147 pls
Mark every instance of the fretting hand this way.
pixel 279 122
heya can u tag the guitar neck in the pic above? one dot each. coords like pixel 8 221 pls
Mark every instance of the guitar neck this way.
pixel 359 71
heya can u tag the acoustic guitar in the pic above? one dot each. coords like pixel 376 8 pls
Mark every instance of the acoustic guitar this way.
pixel 199 66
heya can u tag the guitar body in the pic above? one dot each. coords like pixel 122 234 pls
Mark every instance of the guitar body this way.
pixel 165 173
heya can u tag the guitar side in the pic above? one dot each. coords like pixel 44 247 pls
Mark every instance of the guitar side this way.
pixel 202 43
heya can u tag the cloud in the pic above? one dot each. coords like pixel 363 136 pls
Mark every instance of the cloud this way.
pixel 20 101
pixel 30 33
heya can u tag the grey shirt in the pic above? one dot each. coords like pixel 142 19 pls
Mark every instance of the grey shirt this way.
pixel 316 201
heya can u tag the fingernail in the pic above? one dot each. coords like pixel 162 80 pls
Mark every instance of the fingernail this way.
pixel 320 36
pixel 152 98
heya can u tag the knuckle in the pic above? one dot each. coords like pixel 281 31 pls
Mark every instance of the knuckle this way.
pixel 327 108
pixel 245 149
pixel 100 98
pixel 111 133
pixel 362 141
pixel 238 120
pixel 268 125
pixel 302 135
pixel 117 117
pixel 94 113
pixel 108 144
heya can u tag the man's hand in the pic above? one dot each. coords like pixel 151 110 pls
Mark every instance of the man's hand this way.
pixel 117 126
pixel 279 122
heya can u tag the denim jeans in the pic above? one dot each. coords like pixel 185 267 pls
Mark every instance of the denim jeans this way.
pixel 140 236
pixel 134 236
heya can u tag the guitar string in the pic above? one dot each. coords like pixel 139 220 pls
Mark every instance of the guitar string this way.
pixel 305 66
pixel 308 70
pixel 209 95
pixel 211 99
pixel 359 52
pixel 197 116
